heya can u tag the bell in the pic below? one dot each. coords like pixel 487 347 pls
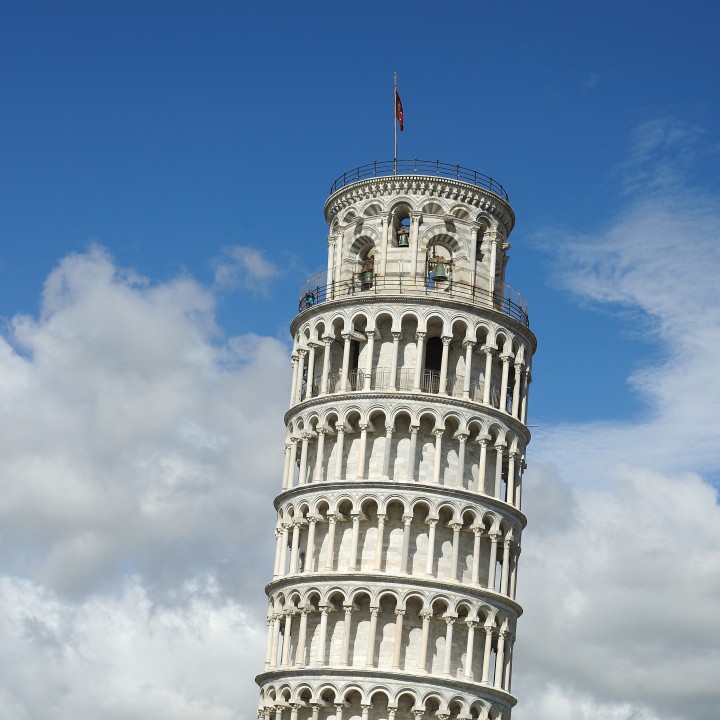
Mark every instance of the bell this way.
pixel 403 238
pixel 440 273
pixel 366 279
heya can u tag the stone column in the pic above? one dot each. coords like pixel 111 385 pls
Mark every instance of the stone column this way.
pixel 300 372
pixel 346 634
pixel 448 644
pixel 499 449
pixel 275 639
pixel 526 390
pixel 516 390
pixel 442 389
pixel 477 532
pixel 278 552
pixel 331 264
pixel 474 230
pixel 386 224
pixel 322 635
pixel 365 712
pixel 310 548
pixel 293 384
pixel 315 711
pixel 302 475
pixel 338 711
pixel 412 451
pixel 394 362
pixel 415 219
pixel 283 550
pixel 471 625
pixel 362 452
pixel 407 520
pixel 482 464
pixel 504 381
pixel 389 430
pixel 513 574
pixel 456 527
pixel 294 711
pixel 462 439
pixel 509 644
pixel 278 712
pixel 438 454
pixel 418 361
pixel 330 550
pixel 345 363
pixel 370 349
pixel 295 547
pixel 284 662
pixel 302 638
pixel 426 615
pixel 339 448
pixel 354 542
pixel 327 341
pixel 432 522
pixel 379 541
pixel 493 262
pixel 468 345
pixel 372 633
pixel 489 351
pixel 512 457
pixel 505 567
pixel 500 659
pixel 494 537
pixel 291 464
pixel 286 466
pixel 269 644
pixel 319 455
pixel 486 654
pixel 310 371
pixel 399 615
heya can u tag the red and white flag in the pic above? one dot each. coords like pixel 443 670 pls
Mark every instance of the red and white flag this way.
pixel 399 110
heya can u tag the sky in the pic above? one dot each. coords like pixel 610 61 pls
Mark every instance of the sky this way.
pixel 163 169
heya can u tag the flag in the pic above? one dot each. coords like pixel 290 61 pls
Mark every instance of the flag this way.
pixel 399 110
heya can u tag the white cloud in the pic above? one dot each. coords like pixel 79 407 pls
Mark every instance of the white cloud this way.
pixel 139 451
pixel 620 575
pixel 244 267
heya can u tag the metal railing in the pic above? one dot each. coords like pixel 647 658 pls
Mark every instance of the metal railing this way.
pixel 317 290
pixel 382 168
pixel 381 380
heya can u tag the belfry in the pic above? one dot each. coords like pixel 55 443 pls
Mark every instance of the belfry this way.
pixel 399 515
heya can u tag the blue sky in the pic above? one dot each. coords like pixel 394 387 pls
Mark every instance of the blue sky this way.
pixel 144 147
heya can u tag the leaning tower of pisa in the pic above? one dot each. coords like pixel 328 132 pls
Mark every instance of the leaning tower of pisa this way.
pixel 399 515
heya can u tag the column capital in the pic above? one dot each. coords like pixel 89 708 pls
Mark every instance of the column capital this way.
pixel 328 340
pixel 446 339
pixel 420 335
pixel 478 531
pixel 472 624
pixel 407 519
pixel 462 437
pixel 400 612
pixel 345 336
pixel 426 615
pixel 495 535
pixel 390 430
pixel 414 429
pixel 468 344
pixel 507 357
pixel 439 432
pixel 375 611
pixel 449 619
pixel 349 609
pixel 396 336
pixel 432 522
pixel 382 516
pixel 302 352
pixel 455 526
pixel 489 349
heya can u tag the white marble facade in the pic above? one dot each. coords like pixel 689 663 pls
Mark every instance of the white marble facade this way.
pixel 399 516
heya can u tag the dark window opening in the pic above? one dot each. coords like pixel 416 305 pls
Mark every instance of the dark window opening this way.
pixel 433 354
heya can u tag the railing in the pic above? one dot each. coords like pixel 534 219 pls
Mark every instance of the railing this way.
pixel 510 302
pixel 381 381
pixel 420 167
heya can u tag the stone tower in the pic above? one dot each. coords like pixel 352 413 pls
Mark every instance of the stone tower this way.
pixel 399 522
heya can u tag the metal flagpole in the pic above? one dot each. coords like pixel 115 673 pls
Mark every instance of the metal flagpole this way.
pixel 395 123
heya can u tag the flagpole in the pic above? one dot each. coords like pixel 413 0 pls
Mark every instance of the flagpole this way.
pixel 395 123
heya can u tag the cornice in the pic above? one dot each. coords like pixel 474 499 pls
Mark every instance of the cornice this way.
pixel 398 486
pixel 357 396
pixel 420 185
pixel 399 678
pixel 390 580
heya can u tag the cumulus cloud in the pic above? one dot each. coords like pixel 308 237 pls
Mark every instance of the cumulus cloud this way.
pixel 621 563
pixel 139 451
pixel 241 266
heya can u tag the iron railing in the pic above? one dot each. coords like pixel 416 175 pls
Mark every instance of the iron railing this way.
pixel 510 302
pixel 435 168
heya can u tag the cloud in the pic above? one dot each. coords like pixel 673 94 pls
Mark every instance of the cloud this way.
pixel 620 573
pixel 244 267
pixel 139 452
pixel 590 81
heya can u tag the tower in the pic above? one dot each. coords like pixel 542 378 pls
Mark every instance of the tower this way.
pixel 399 521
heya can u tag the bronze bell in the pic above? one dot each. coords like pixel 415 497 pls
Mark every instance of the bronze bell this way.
pixel 440 273
pixel 366 278
pixel 403 238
